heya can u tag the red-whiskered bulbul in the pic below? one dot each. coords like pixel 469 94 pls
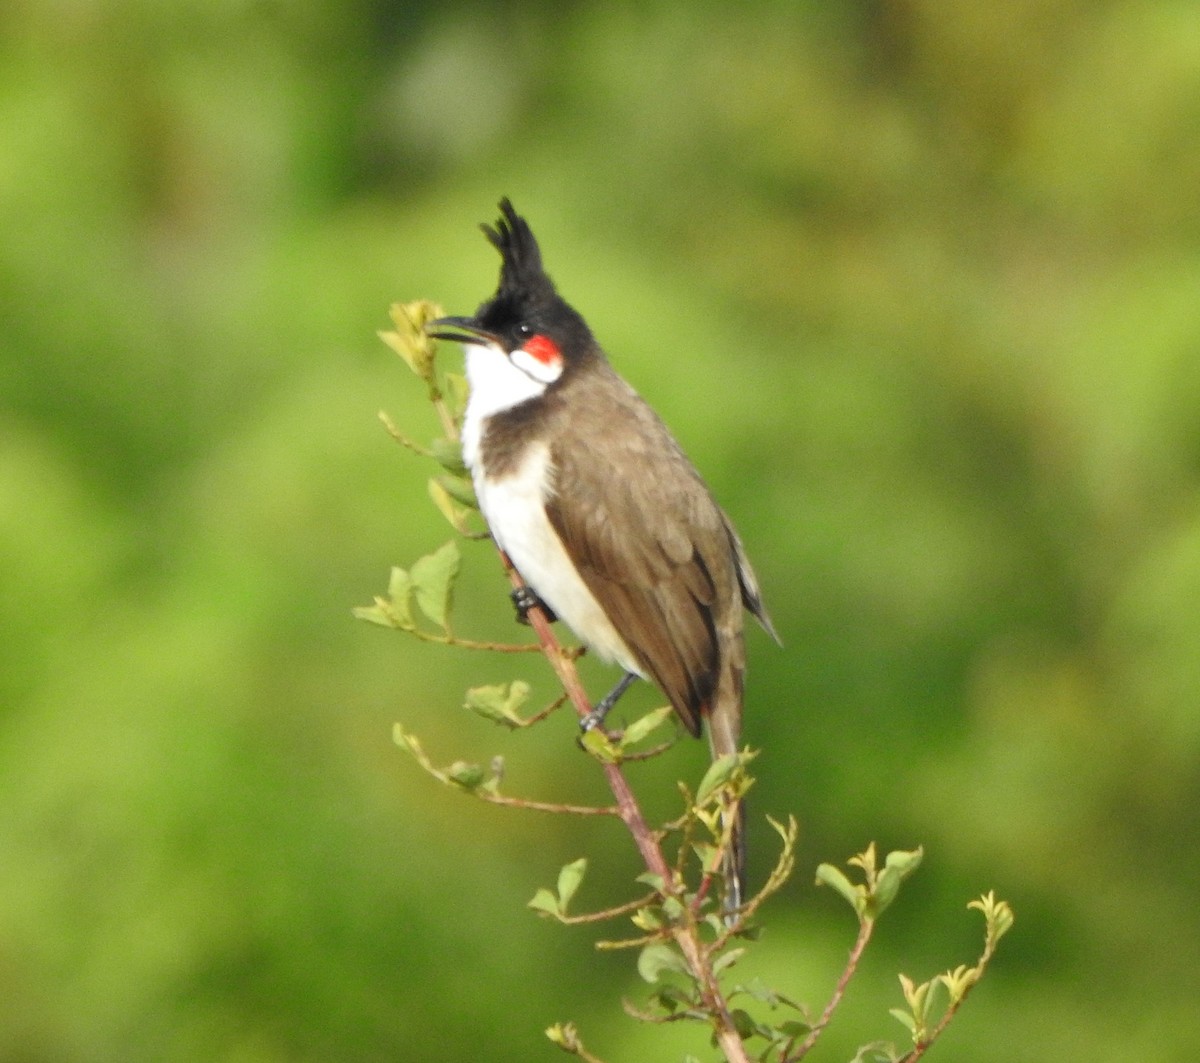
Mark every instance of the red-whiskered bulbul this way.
pixel 595 504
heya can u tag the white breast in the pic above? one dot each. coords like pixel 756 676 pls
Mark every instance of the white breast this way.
pixel 515 509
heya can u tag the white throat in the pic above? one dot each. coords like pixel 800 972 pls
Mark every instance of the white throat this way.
pixel 495 385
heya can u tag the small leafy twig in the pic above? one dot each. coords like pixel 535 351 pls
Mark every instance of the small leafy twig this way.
pixel 567 1038
pixel 608 914
pixel 778 878
pixel 865 929
pixel 957 984
pixel 554 903
pixel 429 586
pixel 868 899
pixel 500 703
pixel 484 783
pixel 410 341
pixel 685 934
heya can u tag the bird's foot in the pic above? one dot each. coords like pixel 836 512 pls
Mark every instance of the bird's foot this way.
pixel 597 716
pixel 525 598
pixel 592 720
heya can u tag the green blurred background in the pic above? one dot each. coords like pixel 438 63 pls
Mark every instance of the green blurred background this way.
pixel 917 284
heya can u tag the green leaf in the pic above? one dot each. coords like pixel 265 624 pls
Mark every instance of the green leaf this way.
pixel 835 879
pixel 885 892
pixel 904 862
pixel 433 583
pixel 720 771
pixel 454 512
pixel 600 746
pixel 408 742
pixel 708 855
pixel 998 915
pixel 379 613
pixel 569 879
pixel 409 340
pixel 670 999
pixel 645 725
pixel 745 1025
pixel 657 959
pixel 761 992
pixel 727 959
pixel 395 611
pixel 468 776
pixel 566 1037
pixel 459 488
pixel 499 702
pixel 518 694
pixel 495 775
pixel 448 454
pixel 712 820
pixel 545 901
pixel 646 919
pixel 876 1052
pixel 959 981
pixel 490 702
pixel 897 867
pixel 919 997
pixel 673 907
pixel 655 882
pixel 400 596
pixel 794 1028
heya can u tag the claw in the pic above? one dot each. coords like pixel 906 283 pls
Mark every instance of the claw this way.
pixel 524 599
pixel 596 717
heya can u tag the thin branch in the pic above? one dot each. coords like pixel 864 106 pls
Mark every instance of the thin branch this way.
pixel 631 943
pixel 401 438
pixel 687 937
pixel 649 754
pixel 538 717
pixel 545 806
pixel 925 1043
pixel 608 913
pixel 634 1012
pixel 778 878
pixel 449 425
pixel 473 644
pixel 484 790
pixel 567 1038
pixel 864 935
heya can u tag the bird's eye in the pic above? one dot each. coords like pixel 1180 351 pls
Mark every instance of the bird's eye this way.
pixel 524 330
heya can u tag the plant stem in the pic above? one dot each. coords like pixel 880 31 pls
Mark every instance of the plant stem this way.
pixel 864 935
pixel 686 935
pixel 547 806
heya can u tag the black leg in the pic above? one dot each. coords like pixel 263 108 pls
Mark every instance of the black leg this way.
pixel 525 598
pixel 595 718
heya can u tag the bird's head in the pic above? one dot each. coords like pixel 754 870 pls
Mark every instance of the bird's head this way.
pixel 526 322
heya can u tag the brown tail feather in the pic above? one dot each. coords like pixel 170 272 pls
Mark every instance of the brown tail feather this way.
pixel 725 735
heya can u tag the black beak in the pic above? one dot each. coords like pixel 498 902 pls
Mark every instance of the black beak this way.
pixel 460 330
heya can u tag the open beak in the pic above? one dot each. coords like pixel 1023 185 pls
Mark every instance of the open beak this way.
pixel 460 330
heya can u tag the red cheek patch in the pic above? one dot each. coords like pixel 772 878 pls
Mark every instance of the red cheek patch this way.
pixel 544 349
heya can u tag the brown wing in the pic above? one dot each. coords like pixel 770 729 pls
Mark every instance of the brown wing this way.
pixel 649 541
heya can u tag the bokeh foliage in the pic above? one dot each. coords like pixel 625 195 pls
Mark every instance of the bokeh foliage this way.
pixel 916 285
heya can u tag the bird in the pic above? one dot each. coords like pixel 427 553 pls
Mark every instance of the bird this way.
pixel 608 523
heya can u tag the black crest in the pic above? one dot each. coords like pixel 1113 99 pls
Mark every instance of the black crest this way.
pixel 526 295
pixel 522 279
